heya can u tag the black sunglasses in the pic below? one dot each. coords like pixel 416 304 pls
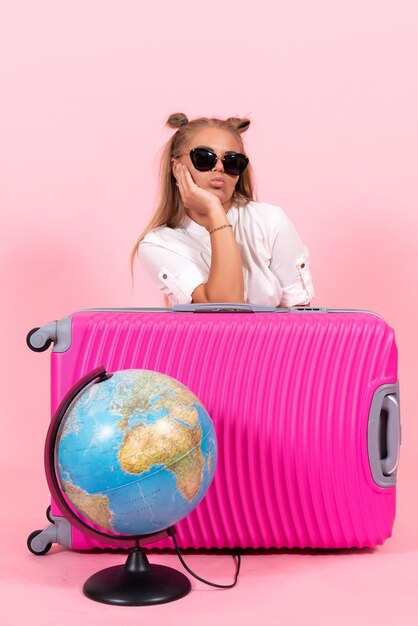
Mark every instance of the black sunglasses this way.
pixel 204 160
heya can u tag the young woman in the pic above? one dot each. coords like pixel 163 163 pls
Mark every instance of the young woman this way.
pixel 208 240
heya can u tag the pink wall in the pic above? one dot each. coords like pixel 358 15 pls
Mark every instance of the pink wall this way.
pixel 331 89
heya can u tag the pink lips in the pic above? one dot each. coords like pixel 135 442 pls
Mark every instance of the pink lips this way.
pixel 217 182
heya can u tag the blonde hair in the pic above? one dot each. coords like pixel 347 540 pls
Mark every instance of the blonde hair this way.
pixel 170 210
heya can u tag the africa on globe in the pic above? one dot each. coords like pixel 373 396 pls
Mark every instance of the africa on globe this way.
pixel 135 453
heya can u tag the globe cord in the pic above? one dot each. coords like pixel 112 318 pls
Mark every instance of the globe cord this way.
pixel 235 553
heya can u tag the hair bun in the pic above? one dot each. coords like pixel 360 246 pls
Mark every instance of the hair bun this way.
pixel 239 123
pixel 176 120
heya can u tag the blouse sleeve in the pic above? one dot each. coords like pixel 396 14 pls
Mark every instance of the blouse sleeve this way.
pixel 175 274
pixel 290 263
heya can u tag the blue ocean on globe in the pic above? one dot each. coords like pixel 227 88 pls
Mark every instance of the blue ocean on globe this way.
pixel 135 453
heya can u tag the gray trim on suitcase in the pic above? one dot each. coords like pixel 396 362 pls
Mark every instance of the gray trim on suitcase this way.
pixel 384 434
pixel 224 307
pixel 58 532
pixel 59 332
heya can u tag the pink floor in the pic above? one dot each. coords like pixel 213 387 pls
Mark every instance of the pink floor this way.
pixel 286 587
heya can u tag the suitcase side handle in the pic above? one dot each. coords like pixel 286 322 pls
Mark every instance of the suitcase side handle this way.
pixel 384 434
pixel 390 434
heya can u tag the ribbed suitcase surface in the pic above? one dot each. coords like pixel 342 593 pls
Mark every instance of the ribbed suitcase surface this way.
pixel 290 394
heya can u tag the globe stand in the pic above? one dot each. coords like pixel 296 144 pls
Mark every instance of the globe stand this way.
pixel 137 583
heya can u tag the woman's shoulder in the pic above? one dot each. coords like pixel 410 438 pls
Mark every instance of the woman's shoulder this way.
pixel 159 234
pixel 174 239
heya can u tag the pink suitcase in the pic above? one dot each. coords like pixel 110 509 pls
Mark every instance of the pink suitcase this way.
pixel 305 405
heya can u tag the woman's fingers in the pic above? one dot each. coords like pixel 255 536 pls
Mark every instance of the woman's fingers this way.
pixel 194 197
pixel 180 182
pixel 186 178
pixel 185 184
pixel 180 175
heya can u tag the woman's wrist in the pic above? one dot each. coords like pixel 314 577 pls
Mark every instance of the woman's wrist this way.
pixel 217 218
pixel 212 230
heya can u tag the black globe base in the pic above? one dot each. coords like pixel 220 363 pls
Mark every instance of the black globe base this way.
pixel 137 583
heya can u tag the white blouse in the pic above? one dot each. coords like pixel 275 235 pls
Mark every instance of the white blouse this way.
pixel 276 264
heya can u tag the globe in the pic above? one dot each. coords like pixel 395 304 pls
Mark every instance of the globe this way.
pixel 135 453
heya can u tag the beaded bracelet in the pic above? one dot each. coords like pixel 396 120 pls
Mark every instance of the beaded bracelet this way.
pixel 219 227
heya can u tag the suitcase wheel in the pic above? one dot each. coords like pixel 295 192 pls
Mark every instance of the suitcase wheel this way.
pixel 42 348
pixel 49 515
pixel 37 546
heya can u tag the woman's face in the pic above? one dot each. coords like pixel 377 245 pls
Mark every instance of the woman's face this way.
pixel 216 180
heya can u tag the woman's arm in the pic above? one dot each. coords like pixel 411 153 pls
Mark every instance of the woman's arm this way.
pixel 226 277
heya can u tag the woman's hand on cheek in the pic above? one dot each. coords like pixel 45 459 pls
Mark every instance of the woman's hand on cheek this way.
pixel 197 201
